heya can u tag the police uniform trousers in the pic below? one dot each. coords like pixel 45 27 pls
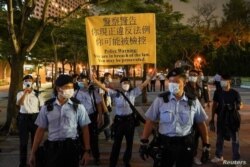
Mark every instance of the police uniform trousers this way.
pixel 177 151
pixel 162 85
pixel 26 125
pixel 93 132
pixel 123 126
pixel 62 153
pixel 152 85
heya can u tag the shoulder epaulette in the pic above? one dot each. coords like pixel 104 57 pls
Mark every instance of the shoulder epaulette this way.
pixel 49 103
pixel 165 96
pixel 190 96
pixel 76 102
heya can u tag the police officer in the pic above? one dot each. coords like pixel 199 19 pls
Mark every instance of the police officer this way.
pixel 152 84
pixel 61 118
pixel 162 81
pixel 176 117
pixel 192 87
pixel 29 103
pixel 124 124
pixel 91 100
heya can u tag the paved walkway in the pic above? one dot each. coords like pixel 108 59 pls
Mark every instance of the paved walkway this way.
pixel 10 144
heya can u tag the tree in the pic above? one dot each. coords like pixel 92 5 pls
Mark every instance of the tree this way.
pixel 22 42
pixel 236 20
pixel 204 16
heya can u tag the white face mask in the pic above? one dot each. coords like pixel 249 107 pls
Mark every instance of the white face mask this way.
pixel 109 80
pixel 192 79
pixel 125 87
pixel 202 77
pixel 173 88
pixel 68 93
pixel 223 84
pixel 27 84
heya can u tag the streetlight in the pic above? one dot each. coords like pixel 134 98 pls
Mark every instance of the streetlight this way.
pixel 197 62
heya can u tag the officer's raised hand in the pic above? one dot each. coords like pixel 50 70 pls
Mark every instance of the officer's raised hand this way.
pixel 144 149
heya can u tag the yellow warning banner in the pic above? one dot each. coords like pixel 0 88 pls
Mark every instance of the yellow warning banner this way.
pixel 121 39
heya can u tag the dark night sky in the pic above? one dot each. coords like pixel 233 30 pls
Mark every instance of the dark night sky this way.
pixel 188 8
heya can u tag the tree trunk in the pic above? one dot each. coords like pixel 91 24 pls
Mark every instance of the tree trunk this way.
pixel 15 85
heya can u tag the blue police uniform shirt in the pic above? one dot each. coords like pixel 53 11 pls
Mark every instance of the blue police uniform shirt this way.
pixel 176 117
pixel 87 99
pixel 121 106
pixel 62 121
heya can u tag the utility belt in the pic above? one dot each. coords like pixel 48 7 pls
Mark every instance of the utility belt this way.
pixel 30 116
pixel 178 140
pixel 129 117
pixel 67 143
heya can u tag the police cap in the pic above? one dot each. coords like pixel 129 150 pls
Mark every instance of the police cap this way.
pixel 27 77
pixel 63 80
pixel 175 72
pixel 124 79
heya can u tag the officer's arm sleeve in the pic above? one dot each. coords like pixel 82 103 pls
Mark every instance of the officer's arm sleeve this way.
pixel 42 120
pixel 112 92
pixel 83 118
pixel 136 91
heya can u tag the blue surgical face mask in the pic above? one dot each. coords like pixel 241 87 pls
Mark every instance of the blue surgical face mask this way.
pixel 81 85
pixel 173 88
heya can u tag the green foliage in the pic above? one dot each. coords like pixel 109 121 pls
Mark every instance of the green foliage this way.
pixel 237 11
pixel 5 47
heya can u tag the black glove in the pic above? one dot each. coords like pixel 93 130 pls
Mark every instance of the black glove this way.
pixel 144 149
pixel 205 153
